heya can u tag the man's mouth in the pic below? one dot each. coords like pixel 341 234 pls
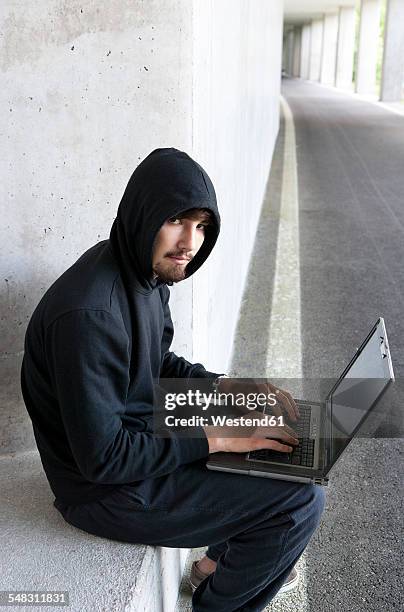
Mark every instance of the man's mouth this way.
pixel 179 258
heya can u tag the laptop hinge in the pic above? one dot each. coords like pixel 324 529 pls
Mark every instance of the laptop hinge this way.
pixel 328 432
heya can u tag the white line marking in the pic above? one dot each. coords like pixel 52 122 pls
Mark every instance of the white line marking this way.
pixel 284 355
pixel 284 358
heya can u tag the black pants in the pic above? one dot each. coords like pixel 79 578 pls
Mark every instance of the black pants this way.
pixel 256 528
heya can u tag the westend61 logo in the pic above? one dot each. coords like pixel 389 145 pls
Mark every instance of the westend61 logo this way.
pixel 199 399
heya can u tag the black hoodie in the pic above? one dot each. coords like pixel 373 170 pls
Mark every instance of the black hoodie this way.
pixel 100 337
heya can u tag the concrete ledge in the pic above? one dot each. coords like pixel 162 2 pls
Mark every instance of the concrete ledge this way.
pixel 40 551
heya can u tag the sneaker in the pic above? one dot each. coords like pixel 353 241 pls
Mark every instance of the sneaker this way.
pixel 290 582
pixel 196 577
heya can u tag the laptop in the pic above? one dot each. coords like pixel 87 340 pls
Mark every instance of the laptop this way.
pixel 324 428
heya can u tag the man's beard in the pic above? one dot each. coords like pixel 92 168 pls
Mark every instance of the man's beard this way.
pixel 170 272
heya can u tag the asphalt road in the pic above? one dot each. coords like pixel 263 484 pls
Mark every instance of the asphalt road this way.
pixel 350 156
pixel 350 170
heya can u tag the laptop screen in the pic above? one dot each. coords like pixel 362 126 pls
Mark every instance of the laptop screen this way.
pixel 359 387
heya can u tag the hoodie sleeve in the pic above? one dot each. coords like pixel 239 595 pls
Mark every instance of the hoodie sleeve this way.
pixel 172 365
pixel 88 360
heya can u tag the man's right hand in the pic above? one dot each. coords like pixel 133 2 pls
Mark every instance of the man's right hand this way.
pixel 278 438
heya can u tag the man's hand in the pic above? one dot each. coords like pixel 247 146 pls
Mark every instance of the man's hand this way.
pixel 285 402
pixel 278 438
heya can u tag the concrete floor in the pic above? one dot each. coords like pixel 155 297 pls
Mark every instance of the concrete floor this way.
pixel 350 160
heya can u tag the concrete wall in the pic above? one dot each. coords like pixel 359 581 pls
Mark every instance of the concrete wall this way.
pixel 237 65
pixel 88 91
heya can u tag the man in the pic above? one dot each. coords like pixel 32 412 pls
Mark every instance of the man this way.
pixel 95 343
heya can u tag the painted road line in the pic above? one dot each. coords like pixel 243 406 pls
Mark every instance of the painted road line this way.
pixel 284 356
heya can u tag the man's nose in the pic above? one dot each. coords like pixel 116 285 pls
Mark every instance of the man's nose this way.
pixel 187 240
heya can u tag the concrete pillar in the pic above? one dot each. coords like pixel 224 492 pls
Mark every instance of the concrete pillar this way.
pixel 289 51
pixel 305 52
pixel 329 49
pixel 345 47
pixel 284 51
pixel 393 57
pixel 297 49
pixel 316 47
pixel 367 50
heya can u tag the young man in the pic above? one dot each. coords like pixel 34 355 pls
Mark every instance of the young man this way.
pixel 96 342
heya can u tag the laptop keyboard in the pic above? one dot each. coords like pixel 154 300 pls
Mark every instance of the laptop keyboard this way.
pixel 303 454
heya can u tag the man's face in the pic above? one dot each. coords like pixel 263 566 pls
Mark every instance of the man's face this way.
pixel 177 242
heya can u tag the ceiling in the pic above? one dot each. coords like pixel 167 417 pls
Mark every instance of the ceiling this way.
pixel 301 11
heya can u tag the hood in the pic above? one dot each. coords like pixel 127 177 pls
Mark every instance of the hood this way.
pixel 166 183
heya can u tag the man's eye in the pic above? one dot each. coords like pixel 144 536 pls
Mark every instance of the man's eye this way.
pixel 202 226
pixel 174 220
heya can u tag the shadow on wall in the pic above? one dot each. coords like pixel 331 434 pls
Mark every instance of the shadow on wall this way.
pixel 252 332
pixel 17 303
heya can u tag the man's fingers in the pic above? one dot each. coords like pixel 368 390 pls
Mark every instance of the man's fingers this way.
pixel 284 398
pixel 287 405
pixel 293 403
pixel 285 436
pixel 290 431
pixel 285 401
pixel 276 432
pixel 286 428
pixel 277 446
